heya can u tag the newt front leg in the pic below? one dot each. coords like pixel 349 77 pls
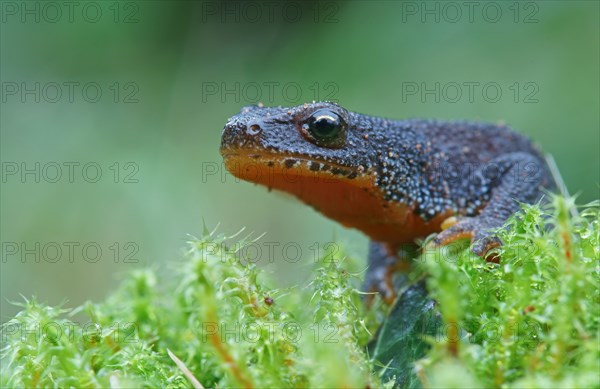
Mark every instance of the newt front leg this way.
pixel 519 179
pixel 384 261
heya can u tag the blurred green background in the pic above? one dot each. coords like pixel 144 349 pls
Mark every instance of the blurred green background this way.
pixel 168 73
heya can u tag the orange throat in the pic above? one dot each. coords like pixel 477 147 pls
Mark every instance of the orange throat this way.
pixel 354 202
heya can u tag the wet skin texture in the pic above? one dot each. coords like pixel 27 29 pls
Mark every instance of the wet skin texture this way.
pixel 395 180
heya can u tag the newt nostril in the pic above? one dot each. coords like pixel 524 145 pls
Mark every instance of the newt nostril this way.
pixel 253 129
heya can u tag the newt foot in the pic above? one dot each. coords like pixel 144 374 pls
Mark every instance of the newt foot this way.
pixel 477 229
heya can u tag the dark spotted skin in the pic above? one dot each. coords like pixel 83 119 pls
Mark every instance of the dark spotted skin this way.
pixel 477 172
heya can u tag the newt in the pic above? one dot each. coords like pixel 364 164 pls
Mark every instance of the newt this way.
pixel 394 180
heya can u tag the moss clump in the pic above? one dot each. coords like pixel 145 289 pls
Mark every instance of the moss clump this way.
pixel 219 319
pixel 531 320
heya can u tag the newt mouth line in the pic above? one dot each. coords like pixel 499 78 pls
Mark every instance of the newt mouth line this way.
pixel 290 161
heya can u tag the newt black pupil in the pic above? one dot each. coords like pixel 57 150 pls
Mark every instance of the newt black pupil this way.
pixel 325 125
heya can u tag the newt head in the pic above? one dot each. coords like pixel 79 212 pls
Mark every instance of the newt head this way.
pixel 323 155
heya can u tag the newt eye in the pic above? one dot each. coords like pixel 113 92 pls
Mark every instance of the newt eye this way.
pixel 327 128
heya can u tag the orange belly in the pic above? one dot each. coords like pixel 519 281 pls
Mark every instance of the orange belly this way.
pixel 353 202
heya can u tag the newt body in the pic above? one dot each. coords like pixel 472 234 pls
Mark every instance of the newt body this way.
pixel 395 180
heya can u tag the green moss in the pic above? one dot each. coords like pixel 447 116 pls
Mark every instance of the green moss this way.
pixel 531 320
pixel 219 319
